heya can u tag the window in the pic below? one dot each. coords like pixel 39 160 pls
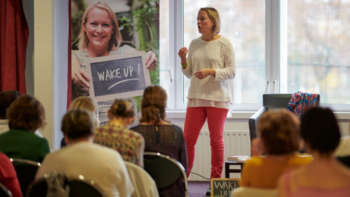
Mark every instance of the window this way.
pixel 318 49
pixel 280 46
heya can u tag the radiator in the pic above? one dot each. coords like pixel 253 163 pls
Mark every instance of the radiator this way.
pixel 236 143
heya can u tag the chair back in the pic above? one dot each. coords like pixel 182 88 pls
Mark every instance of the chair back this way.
pixel 276 100
pixel 253 192
pixel 78 187
pixel 163 169
pixel 280 100
pixel 143 183
pixel 4 192
pixel 271 101
pixel 26 171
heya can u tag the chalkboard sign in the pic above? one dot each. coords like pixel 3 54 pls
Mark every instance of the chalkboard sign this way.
pixel 222 187
pixel 118 76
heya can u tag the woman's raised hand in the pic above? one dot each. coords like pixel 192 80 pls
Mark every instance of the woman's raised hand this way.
pixel 182 54
pixel 151 60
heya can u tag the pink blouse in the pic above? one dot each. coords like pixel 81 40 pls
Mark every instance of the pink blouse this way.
pixel 302 191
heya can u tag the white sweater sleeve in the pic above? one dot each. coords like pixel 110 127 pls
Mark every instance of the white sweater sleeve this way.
pixel 229 70
pixel 188 71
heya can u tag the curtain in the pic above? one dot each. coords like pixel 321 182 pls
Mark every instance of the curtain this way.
pixel 14 35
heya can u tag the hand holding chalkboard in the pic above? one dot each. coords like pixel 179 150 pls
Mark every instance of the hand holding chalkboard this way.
pixel 118 76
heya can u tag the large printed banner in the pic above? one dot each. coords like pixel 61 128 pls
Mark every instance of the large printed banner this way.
pixel 114 45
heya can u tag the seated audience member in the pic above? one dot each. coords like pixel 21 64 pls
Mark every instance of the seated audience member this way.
pixel 116 134
pixel 343 150
pixel 324 176
pixel 6 98
pixel 25 116
pixel 160 135
pixel 81 157
pixel 86 103
pixel 8 176
pixel 278 137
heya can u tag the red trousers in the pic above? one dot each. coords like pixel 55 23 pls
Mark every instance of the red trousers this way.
pixel 195 119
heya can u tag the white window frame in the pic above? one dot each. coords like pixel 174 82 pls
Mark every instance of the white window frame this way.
pixel 276 52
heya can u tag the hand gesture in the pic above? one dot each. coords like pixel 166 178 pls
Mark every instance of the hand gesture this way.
pixel 182 54
pixel 151 60
pixel 201 74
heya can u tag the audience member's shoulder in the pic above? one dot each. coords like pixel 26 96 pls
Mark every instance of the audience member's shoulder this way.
pixel 3 157
pixel 175 127
pixel 254 161
pixel 301 159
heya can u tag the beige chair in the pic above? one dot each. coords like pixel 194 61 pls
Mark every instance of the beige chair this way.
pixel 143 183
pixel 253 192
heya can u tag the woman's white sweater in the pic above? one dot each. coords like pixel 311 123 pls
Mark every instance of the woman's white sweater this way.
pixel 218 55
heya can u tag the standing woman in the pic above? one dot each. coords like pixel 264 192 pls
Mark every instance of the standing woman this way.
pixel 211 68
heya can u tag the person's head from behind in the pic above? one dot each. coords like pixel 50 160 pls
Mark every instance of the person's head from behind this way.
pixel 7 97
pixel 208 20
pixel 78 125
pixel 122 111
pixel 26 113
pixel 153 104
pixel 99 28
pixel 86 103
pixel 279 132
pixel 320 131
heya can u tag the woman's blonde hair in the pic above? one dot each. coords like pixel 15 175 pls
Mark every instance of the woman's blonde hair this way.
pixel 279 132
pixel 116 38
pixel 86 103
pixel 213 14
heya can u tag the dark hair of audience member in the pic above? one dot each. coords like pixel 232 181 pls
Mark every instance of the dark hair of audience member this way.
pixel 6 98
pixel 279 132
pixel 153 104
pixel 78 123
pixel 123 108
pixel 320 130
pixel 26 113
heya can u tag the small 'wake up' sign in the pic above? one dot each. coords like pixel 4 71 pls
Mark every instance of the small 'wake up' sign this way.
pixel 222 187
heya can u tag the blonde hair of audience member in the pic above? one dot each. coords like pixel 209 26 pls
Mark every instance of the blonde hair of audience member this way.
pixel 86 103
pixel 321 134
pixel 153 106
pixel 26 113
pixel 78 125
pixel 122 112
pixel 278 139
pixel 278 134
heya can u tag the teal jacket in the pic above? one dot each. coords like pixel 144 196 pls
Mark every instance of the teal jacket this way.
pixel 22 144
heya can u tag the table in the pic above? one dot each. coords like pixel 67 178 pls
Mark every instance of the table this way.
pixel 234 163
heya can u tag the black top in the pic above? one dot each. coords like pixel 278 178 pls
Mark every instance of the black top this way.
pixel 167 140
